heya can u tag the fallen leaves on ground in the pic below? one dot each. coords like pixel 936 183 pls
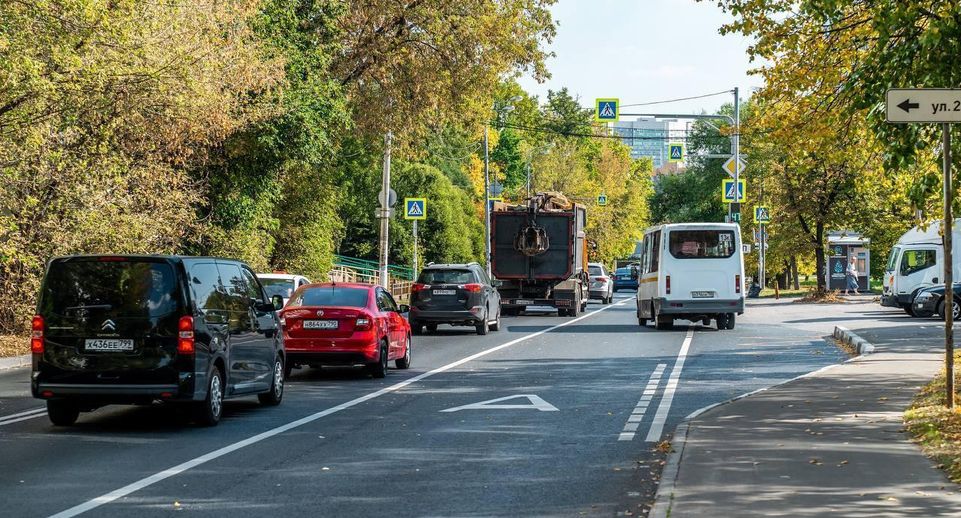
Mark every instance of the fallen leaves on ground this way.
pixel 13 345
pixel 935 427
pixel 664 447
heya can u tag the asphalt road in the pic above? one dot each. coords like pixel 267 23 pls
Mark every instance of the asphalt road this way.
pixel 582 405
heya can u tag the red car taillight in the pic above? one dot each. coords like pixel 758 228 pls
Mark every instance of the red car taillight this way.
pixel 667 284
pixel 737 284
pixel 602 279
pixel 185 334
pixel 36 335
pixel 472 287
pixel 419 287
pixel 364 323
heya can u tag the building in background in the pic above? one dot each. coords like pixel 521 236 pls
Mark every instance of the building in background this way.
pixel 649 138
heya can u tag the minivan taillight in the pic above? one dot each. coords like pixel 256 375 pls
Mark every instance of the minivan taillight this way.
pixel 667 284
pixel 737 283
pixel 363 323
pixel 419 287
pixel 36 335
pixel 472 287
pixel 185 335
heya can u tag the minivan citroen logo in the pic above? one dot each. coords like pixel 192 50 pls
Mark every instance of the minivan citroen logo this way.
pixel 108 325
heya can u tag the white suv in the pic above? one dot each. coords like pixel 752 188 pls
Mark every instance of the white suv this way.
pixel 282 284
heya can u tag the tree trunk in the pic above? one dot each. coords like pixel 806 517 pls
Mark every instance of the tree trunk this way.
pixel 797 283
pixel 821 268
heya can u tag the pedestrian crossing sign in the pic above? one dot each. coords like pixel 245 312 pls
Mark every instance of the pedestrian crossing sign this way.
pixel 602 199
pixel 729 195
pixel 676 152
pixel 415 208
pixel 607 110
pixel 762 214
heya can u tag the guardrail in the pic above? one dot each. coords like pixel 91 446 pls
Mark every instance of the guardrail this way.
pixel 360 271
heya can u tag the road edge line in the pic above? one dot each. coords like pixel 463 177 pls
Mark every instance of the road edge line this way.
pixel 664 498
pixel 150 480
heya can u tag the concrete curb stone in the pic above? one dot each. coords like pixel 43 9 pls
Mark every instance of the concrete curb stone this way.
pixel 14 362
pixel 848 337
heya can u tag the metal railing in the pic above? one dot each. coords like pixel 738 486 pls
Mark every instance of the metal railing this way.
pixel 349 269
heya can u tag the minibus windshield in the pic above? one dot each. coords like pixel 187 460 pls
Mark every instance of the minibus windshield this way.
pixel 701 244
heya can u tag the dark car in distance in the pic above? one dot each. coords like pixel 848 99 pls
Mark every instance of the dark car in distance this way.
pixel 132 329
pixel 455 294
pixel 625 278
pixel 930 301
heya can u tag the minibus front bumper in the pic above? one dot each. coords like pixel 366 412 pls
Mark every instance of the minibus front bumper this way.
pixel 698 307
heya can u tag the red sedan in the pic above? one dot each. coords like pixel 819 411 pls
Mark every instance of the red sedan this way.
pixel 345 324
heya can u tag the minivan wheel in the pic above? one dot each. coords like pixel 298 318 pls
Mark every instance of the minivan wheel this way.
pixel 404 363
pixel 62 413
pixel 276 392
pixel 379 369
pixel 416 327
pixel 731 317
pixel 431 328
pixel 483 327
pixel 208 411
pixel 496 326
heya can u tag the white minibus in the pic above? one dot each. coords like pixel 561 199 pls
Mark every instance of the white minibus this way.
pixel 691 271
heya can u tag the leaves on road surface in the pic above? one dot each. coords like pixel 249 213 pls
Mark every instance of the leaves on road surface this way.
pixel 664 447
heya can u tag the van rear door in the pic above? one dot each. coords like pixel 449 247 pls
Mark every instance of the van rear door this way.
pixel 702 264
pixel 111 320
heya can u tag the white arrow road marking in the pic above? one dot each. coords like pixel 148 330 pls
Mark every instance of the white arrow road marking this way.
pixel 535 403
pixel 638 414
pixel 230 448
pixel 22 416
pixel 657 427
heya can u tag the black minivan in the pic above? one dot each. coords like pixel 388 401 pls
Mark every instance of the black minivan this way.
pixel 134 329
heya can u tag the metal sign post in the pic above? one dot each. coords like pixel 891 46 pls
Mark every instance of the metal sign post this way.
pixel 935 105
pixel 415 209
pixel 385 213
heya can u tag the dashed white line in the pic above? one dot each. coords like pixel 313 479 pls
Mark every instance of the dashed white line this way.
pixel 657 427
pixel 203 459
pixel 22 416
pixel 637 415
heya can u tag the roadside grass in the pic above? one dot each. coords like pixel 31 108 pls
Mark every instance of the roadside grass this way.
pixel 936 428
pixel 768 293
pixel 13 345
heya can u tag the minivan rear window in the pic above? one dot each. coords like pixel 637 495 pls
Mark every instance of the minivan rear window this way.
pixel 701 244
pixel 124 288
pixel 282 287
pixel 331 296
pixel 446 276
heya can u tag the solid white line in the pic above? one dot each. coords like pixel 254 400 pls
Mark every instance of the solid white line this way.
pixel 657 427
pixel 193 463
pixel 34 411
pixel 24 418
pixel 637 415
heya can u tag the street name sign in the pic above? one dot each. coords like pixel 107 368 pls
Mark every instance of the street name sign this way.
pixel 607 110
pixel 762 214
pixel 415 208
pixel 728 166
pixel 602 200
pixel 675 152
pixel 729 195
pixel 923 105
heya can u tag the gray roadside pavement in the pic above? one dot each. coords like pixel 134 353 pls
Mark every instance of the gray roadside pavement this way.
pixel 828 444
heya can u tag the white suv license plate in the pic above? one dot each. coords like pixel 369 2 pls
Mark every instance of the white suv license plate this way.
pixel 444 292
pixel 108 344
pixel 702 294
pixel 321 324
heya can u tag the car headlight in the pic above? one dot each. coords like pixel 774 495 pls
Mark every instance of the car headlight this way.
pixel 924 297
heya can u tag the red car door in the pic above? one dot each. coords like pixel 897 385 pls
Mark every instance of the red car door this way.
pixel 398 326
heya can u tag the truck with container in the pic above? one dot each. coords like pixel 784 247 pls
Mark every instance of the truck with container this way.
pixel 539 254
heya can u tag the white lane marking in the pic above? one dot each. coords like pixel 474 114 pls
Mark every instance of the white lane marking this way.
pixel 637 415
pixel 22 416
pixel 534 403
pixel 657 427
pixel 203 459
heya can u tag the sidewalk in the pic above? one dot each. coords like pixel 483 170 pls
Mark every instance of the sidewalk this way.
pixel 828 445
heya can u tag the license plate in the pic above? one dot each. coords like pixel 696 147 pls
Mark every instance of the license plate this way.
pixel 523 302
pixel 445 292
pixel 108 344
pixel 702 294
pixel 321 324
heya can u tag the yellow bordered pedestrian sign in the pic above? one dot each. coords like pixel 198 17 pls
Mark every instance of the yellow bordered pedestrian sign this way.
pixel 675 152
pixel 762 214
pixel 602 199
pixel 415 208
pixel 607 110
pixel 728 194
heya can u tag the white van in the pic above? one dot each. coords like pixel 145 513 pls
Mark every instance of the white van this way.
pixel 916 262
pixel 692 271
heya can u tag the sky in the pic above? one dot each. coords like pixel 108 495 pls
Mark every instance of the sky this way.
pixel 646 50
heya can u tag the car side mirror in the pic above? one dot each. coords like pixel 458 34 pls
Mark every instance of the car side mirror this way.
pixel 404 308
pixel 496 283
pixel 277 302
pixel 634 275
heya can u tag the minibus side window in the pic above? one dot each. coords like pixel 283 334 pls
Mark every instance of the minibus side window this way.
pixel 916 260
pixel 655 250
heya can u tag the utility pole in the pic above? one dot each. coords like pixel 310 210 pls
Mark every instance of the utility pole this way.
pixel 737 151
pixel 487 203
pixel 385 214
pixel 528 179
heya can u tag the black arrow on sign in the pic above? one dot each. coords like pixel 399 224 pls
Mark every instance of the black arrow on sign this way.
pixel 907 105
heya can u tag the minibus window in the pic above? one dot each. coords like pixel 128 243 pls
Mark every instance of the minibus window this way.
pixel 917 260
pixel 655 250
pixel 702 244
pixel 892 259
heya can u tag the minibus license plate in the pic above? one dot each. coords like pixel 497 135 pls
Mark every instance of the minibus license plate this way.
pixel 320 324
pixel 108 344
pixel 444 292
pixel 524 302
pixel 702 294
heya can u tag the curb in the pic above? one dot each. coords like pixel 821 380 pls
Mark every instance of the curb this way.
pixel 664 497
pixel 846 336
pixel 14 362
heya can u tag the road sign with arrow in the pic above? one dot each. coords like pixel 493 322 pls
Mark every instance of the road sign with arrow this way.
pixel 924 105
